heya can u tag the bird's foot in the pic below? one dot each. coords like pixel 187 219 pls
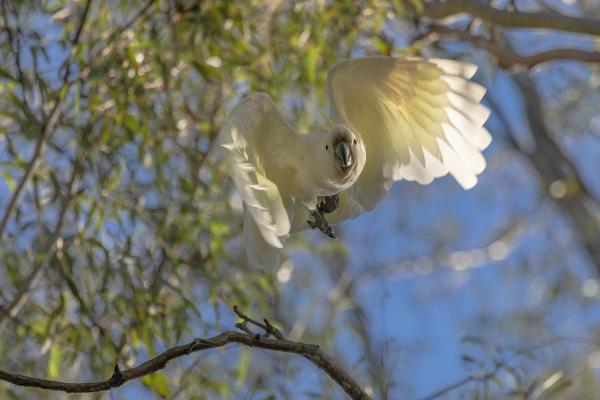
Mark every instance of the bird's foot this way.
pixel 328 204
pixel 321 224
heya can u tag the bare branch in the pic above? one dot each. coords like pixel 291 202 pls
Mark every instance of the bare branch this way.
pixel 508 57
pixel 312 352
pixel 513 19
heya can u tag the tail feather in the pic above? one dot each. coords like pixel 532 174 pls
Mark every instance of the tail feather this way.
pixel 260 253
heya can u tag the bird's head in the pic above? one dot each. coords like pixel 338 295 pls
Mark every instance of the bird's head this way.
pixel 347 152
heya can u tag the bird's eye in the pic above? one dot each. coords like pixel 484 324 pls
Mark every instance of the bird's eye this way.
pixel 354 141
pixel 326 147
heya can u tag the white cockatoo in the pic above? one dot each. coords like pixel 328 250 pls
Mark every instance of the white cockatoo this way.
pixel 391 119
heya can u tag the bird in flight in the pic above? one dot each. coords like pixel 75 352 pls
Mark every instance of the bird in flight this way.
pixel 391 119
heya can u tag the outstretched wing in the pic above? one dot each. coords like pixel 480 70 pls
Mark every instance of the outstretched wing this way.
pixel 419 118
pixel 255 128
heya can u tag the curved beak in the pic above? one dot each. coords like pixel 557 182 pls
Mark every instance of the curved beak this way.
pixel 343 153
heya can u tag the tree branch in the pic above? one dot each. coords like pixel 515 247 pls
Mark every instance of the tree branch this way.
pixel 247 338
pixel 508 57
pixel 513 19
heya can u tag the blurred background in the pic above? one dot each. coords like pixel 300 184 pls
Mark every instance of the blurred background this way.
pixel 120 234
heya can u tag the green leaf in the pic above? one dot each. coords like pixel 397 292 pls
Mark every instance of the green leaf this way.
pixel 243 369
pixel 8 179
pixel 113 180
pixel 62 94
pixel 54 362
pixel 310 64
pixel 5 74
pixel 418 5
pixel 131 123
pixel 159 383
pixel 78 101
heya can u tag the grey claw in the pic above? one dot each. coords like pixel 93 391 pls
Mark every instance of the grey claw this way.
pixel 328 230
pixel 321 223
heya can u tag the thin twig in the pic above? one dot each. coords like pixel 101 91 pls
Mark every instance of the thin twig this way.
pixel 243 316
pixel 267 326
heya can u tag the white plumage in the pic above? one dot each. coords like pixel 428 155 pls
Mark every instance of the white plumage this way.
pixel 401 118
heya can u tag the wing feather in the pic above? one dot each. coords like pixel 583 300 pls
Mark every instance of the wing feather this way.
pixel 252 123
pixel 419 119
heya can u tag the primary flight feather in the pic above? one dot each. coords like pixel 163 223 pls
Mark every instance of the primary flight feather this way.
pixel 393 118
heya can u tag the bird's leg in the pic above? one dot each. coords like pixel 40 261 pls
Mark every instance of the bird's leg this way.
pixel 321 223
pixel 325 205
pixel 328 204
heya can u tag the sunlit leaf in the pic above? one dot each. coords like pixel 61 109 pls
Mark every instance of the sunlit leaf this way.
pixel 158 382
pixel 54 362
pixel 244 363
